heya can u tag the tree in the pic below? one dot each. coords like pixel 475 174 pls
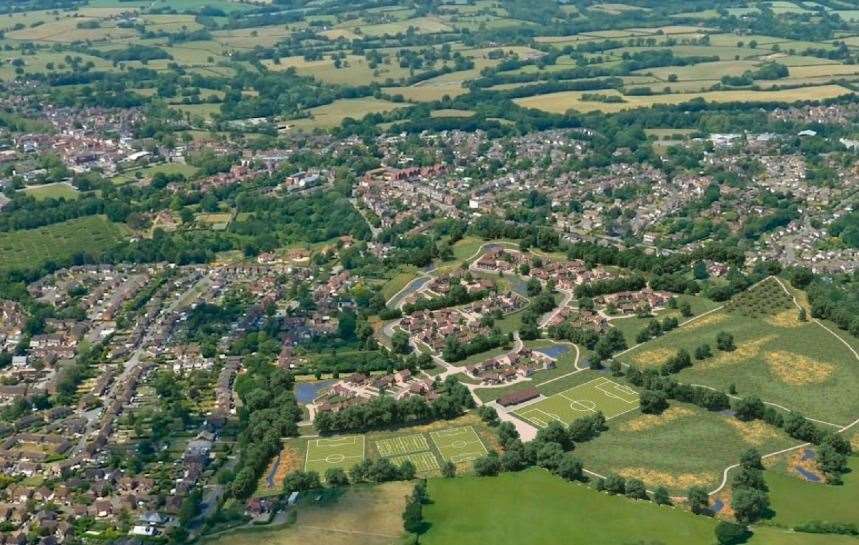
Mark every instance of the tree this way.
pixel 533 287
pixel 615 484
pixel 653 402
pixel 570 468
pixel 751 458
pixel 488 414
pixel 685 309
pixel 400 343
pixel 448 470
pixel 661 497
pixel 699 500
pixel 488 466
pixel 749 504
pixel 703 352
pixel 335 476
pixel 413 513
pixel 729 533
pixel 635 489
pixel 299 481
pixel 832 463
pixel 725 342
pixel 749 408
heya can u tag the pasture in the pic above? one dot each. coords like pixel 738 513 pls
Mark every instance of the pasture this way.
pixel 332 115
pixel 34 247
pixel 598 395
pixel 513 508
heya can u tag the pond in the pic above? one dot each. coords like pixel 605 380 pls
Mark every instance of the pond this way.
pixel 305 392
pixel 555 351
pixel 808 475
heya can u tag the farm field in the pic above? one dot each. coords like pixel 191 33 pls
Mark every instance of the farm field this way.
pixel 572 100
pixel 331 115
pixel 513 508
pixel 357 515
pixel 684 446
pixel 33 247
pixel 799 365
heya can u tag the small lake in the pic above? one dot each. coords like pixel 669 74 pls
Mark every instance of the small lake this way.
pixel 305 392
pixel 555 351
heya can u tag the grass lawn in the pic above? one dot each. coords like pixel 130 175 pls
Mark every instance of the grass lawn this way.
pixel 397 283
pixel 33 247
pixel 147 172
pixel 631 326
pixel 535 508
pixel 796 501
pixel 357 515
pixel 59 190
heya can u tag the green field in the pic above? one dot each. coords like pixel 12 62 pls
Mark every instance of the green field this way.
pixel 60 190
pixel 355 515
pixel 684 446
pixel 425 462
pixel 796 501
pixel 536 508
pixel 458 445
pixel 336 452
pixel 601 394
pixel 34 247
pixel 403 444
pixel 799 365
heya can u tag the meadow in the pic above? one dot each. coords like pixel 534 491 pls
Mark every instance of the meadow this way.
pixel 34 247
pixel 516 506
pixel 60 190
pixel 798 365
pixel 682 447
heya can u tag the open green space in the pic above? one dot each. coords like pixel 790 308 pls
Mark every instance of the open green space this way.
pixel 599 395
pixel 458 445
pixel 514 508
pixel 34 247
pixel 60 190
pixel 335 452
pixel 682 447
pixel 795 501
pixel 796 364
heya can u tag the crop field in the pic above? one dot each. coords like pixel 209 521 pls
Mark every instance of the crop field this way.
pixel 682 447
pixel 799 365
pixel 34 247
pixel 331 115
pixel 599 395
pixel 572 100
pixel 336 452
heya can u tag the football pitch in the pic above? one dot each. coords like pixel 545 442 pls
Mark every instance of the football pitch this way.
pixel 458 444
pixel 342 452
pixel 424 461
pixel 404 444
pixel 600 394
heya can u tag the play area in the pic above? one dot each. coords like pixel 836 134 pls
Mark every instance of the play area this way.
pixel 424 461
pixel 343 452
pixel 403 444
pixel 458 444
pixel 601 394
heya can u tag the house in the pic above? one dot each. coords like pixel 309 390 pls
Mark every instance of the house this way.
pixel 519 396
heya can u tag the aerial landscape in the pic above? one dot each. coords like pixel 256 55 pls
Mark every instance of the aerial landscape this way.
pixel 442 272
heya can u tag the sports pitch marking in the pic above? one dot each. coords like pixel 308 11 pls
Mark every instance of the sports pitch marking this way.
pixel 600 394
pixel 403 444
pixel 424 461
pixel 342 452
pixel 458 444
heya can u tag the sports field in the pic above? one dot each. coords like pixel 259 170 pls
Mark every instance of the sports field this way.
pixel 342 452
pixel 403 444
pixel 601 394
pixel 424 461
pixel 458 444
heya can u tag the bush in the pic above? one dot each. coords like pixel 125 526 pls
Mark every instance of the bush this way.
pixel 729 533
pixel 488 466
